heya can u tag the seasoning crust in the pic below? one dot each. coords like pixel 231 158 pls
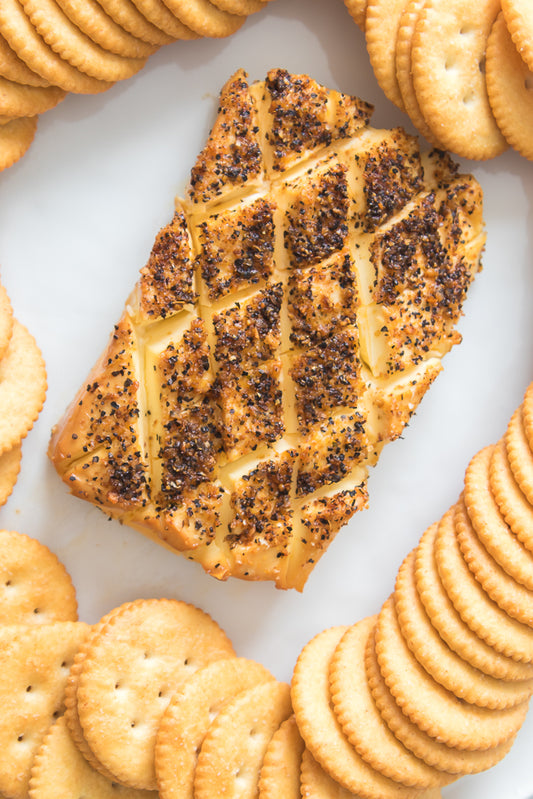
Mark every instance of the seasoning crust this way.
pixel 287 322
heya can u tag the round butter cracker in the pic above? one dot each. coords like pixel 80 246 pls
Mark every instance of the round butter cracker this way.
pixel 315 783
pixel 35 587
pixel 23 384
pixel 59 769
pixel 489 524
pixel 17 100
pixel 361 720
pixel 510 89
pixel 382 22
pixel 234 747
pixel 519 453
pixel 158 14
pixel 404 73
pixel 34 662
pixel 439 660
pixel 16 137
pixel 280 773
pixel 527 414
pixel 512 504
pixel 6 320
pixel 512 597
pixel 147 649
pixel 476 608
pixel 92 20
pixel 205 18
pixel 24 39
pixel 322 732
pixel 432 751
pixel 449 623
pixel 447 57
pixel 188 717
pixel 10 463
pixel 72 718
pixel 435 710
pixel 13 68
pixel 75 47
pixel 518 16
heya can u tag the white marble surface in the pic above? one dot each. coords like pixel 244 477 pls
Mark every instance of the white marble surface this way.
pixel 78 215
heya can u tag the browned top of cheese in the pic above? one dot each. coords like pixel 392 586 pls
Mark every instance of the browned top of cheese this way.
pixel 288 321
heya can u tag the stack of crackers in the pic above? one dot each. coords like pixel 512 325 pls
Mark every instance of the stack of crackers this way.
pixel 438 683
pixel 51 47
pixel 23 387
pixel 153 697
pixel 462 71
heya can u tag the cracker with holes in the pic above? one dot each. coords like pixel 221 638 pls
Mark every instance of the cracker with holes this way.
pixel 361 720
pixel 434 709
pixel 34 662
pixel 189 715
pixel 61 770
pixel 448 54
pixel 234 747
pixel 288 322
pixel 71 699
pixel 440 661
pixel 431 750
pixel 35 587
pixel 131 668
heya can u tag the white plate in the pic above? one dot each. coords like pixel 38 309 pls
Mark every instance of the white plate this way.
pixel 78 215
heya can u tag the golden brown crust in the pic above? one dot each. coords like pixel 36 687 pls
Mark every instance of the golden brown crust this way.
pixel 232 156
pixel 286 325
pixel 99 446
pixel 304 117
pixel 166 282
